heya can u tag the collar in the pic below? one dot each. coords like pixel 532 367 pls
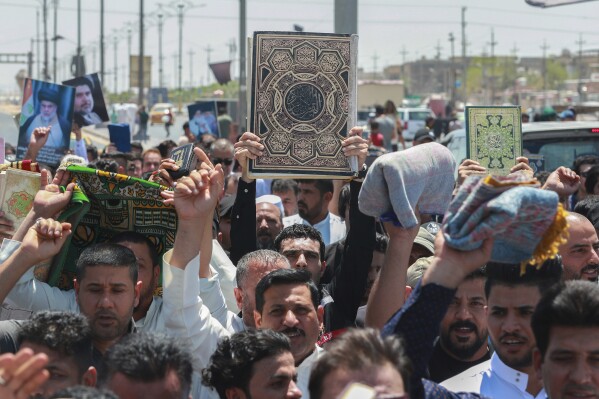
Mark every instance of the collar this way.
pixel 517 378
pixel 323 223
pixel 307 362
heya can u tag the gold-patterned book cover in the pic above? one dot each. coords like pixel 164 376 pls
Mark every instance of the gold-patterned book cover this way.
pixel 302 103
pixel 494 136
pixel 17 191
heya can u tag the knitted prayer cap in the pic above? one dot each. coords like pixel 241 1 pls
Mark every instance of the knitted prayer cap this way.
pixel 528 224
pixel 396 182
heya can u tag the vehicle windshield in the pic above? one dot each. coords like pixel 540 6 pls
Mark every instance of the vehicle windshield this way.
pixel 419 115
pixel 562 151
pixel 160 109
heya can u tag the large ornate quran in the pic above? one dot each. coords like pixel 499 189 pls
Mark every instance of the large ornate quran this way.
pixel 302 103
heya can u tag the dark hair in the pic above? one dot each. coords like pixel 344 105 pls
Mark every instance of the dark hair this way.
pixel 584 160
pixel 300 231
pixel 592 179
pixel 344 199
pixel 381 243
pixel 67 333
pixel 165 148
pixel 137 144
pixel 589 208
pixel 107 254
pixel 543 277
pixel 93 149
pixel 379 110
pixel 83 392
pixel 232 364
pixel 286 277
pixel 360 350
pixel 265 257
pixel 284 185
pixel 137 238
pixel 149 357
pixel 82 81
pixel 574 303
pixel 478 273
pixel 186 125
pixel 322 185
pixel 105 164
pixel 374 125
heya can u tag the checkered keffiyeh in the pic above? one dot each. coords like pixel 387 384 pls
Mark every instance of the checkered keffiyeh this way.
pixel 525 221
pixel 422 175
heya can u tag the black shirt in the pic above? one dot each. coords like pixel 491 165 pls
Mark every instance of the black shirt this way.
pixel 442 366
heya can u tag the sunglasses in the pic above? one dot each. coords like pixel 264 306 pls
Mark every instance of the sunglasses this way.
pixel 225 161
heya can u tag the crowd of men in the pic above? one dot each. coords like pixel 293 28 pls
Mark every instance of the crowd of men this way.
pixel 324 301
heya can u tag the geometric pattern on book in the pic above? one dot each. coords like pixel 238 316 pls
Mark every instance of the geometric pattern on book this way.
pixel 301 103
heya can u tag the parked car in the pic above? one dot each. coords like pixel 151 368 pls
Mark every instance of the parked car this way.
pixel 159 111
pixel 559 143
pixel 413 119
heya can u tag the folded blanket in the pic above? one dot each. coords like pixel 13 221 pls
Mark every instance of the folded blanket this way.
pixel 397 182
pixel 527 223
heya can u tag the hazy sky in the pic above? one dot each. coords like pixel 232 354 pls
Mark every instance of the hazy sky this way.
pixel 385 28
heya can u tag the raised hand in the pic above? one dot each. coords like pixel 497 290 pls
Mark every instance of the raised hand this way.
pixel 39 137
pixel 468 168
pixel 355 145
pixel 563 181
pixel 50 200
pixel 44 240
pixel 248 147
pixel 522 166
pixel 21 374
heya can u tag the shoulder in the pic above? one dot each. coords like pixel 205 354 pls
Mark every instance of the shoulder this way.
pixel 293 219
pixel 469 380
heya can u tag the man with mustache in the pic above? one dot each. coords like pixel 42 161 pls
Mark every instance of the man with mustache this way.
pixel 511 301
pixel 580 256
pixel 463 337
pixel 84 102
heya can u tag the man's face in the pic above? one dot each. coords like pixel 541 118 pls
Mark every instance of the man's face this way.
pixel 151 162
pixel 127 388
pixel 246 293
pixel 288 309
pixel 386 380
pixel 464 326
pixel 84 101
pixel 418 251
pixel 135 168
pixel 48 109
pixel 106 296
pixel 310 203
pixel 304 253
pixel 509 310
pixel 570 368
pixel 579 255
pixel 63 371
pixel 274 377
pixel 289 200
pixel 148 273
pixel 268 224
pixel 224 157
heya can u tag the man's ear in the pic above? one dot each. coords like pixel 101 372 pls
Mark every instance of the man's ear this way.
pixel 323 266
pixel 121 170
pixel 90 377
pixel 137 289
pixel 238 297
pixel 235 393
pixel 320 314
pixel 257 319
pixel 156 272
pixel 77 288
pixel 328 196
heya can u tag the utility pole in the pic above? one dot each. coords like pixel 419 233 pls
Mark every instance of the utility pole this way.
pixel 581 93
pixel 438 48
pixel 544 47
pixel 452 80
pixel 140 61
pixel 493 43
pixel 79 67
pixel 175 57
pixel 232 50
pixel 191 53
pixel 115 43
pixel 38 41
pixel 242 110
pixel 208 50
pixel 102 40
pixel 464 60
pixel 374 60
pixel 55 38
pixel 180 6
pixel 45 17
pixel 160 22
pixel 128 62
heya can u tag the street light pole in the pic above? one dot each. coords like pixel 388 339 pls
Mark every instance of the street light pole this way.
pixel 115 41
pixel 180 66
pixel 140 76
pixel 160 71
pixel 102 40
pixel 55 39
pixel 128 62
pixel 242 111
pixel 45 17
pixel 79 67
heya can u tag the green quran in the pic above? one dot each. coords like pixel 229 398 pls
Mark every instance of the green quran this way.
pixel 104 204
pixel 494 136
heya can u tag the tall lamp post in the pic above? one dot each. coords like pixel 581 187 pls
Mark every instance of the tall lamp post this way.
pixel 180 7
pixel 160 70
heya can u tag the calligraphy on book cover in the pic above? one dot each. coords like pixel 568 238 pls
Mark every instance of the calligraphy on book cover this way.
pixel 302 103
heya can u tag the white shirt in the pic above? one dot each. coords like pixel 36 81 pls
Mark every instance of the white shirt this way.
pixel 493 379
pixel 332 228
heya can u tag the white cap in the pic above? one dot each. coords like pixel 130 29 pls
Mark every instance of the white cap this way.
pixel 272 199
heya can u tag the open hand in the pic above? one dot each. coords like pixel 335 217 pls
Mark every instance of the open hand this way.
pixel 355 145
pixel 23 373
pixel 468 168
pixel 564 181
pixel 44 240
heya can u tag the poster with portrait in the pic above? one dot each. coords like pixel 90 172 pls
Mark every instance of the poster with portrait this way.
pixel 203 118
pixel 49 105
pixel 90 108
